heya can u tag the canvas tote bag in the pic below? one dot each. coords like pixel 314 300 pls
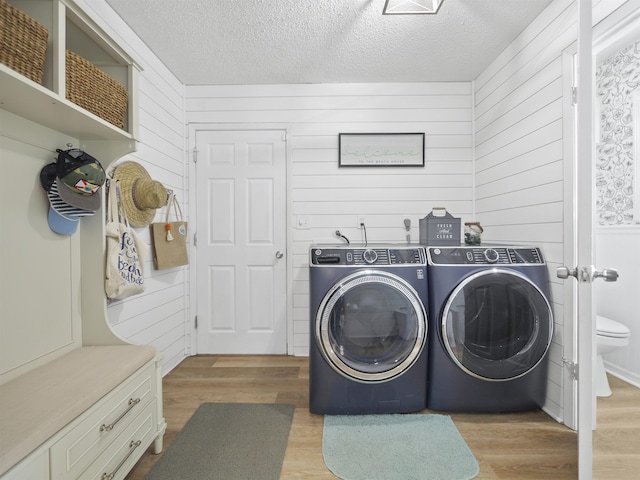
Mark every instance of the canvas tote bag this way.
pixel 125 252
pixel 170 238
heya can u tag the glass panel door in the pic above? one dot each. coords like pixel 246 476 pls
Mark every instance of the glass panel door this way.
pixel 371 326
pixel 497 325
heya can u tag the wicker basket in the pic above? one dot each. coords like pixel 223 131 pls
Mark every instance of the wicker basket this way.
pixel 23 42
pixel 95 91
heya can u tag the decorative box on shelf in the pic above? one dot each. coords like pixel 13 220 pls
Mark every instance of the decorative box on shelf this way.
pixel 439 228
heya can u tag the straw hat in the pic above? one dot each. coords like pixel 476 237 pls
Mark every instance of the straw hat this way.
pixel 140 196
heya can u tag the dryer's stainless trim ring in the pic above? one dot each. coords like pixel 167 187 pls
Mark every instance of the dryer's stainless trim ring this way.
pixel 448 307
pixel 324 315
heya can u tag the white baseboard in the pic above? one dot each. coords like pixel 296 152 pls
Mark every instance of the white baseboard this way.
pixel 623 374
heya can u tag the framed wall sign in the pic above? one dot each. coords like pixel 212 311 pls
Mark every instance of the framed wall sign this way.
pixel 381 150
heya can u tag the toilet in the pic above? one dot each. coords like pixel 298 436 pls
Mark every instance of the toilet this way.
pixel 610 335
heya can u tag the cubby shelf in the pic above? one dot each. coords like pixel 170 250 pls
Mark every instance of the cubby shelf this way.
pixel 25 98
pixel 70 28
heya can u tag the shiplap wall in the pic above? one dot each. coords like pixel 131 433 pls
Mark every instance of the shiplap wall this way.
pixel 518 132
pixel 159 316
pixel 332 198
pixel 519 160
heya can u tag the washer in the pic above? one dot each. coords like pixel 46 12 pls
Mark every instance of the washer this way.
pixel 491 328
pixel 368 329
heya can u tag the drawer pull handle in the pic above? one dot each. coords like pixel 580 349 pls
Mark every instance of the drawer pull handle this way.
pixel 132 403
pixel 132 446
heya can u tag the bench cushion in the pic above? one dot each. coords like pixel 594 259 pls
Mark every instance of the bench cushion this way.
pixel 39 403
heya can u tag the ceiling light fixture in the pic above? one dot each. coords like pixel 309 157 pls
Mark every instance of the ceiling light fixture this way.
pixel 411 7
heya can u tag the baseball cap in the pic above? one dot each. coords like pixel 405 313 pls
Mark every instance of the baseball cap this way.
pixel 61 224
pixel 62 217
pixel 79 179
pixel 63 208
pixel 48 181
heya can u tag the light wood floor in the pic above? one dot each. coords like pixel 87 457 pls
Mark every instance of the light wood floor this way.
pixel 616 441
pixel 508 446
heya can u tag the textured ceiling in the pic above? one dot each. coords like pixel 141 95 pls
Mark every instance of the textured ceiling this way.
pixel 209 42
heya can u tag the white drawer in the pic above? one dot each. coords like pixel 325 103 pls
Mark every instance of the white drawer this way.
pixel 118 458
pixel 34 467
pixel 99 426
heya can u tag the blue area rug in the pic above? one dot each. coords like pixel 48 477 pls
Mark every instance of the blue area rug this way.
pixel 396 447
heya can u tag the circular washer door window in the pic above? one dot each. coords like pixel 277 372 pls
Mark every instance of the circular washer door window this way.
pixel 371 326
pixel 497 325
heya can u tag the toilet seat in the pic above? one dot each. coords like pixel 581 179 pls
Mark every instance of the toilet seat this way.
pixel 607 327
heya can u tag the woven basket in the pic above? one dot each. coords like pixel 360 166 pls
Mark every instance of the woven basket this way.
pixel 23 42
pixel 95 91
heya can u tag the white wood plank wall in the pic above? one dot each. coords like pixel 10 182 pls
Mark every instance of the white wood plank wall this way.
pixel 493 154
pixel 519 165
pixel 331 197
pixel 160 315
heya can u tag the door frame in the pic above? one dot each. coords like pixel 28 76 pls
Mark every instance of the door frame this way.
pixel 593 39
pixel 569 288
pixel 579 342
pixel 192 129
pixel 583 237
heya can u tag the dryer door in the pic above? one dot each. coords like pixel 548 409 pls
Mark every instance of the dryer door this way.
pixel 371 326
pixel 497 325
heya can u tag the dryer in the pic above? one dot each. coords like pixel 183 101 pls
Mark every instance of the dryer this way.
pixel 368 329
pixel 491 328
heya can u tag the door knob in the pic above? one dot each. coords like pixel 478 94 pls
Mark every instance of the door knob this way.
pixel 279 254
pixel 608 274
pixel 566 272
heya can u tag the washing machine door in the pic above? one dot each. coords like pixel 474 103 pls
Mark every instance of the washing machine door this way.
pixel 371 326
pixel 497 325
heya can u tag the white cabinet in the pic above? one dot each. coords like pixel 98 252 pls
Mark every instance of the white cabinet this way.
pixel 69 29
pixel 100 437
pixel 115 419
pixel 119 458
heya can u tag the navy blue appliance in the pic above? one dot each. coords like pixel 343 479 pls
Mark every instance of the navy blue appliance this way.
pixel 368 329
pixel 491 328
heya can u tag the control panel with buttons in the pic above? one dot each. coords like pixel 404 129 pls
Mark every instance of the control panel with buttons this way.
pixel 375 255
pixel 484 255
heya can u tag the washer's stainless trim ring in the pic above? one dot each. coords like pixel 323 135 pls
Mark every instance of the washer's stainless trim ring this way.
pixel 332 297
pixel 454 294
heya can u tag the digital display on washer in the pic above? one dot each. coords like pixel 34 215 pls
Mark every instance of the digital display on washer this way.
pixel 525 255
pixel 451 256
pixel 409 255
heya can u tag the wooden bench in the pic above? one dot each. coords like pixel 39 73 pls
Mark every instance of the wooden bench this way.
pixel 90 412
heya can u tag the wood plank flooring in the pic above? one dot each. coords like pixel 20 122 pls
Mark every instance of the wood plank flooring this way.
pixel 520 446
pixel 616 440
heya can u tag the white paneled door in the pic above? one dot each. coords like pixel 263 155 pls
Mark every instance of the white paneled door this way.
pixel 241 257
